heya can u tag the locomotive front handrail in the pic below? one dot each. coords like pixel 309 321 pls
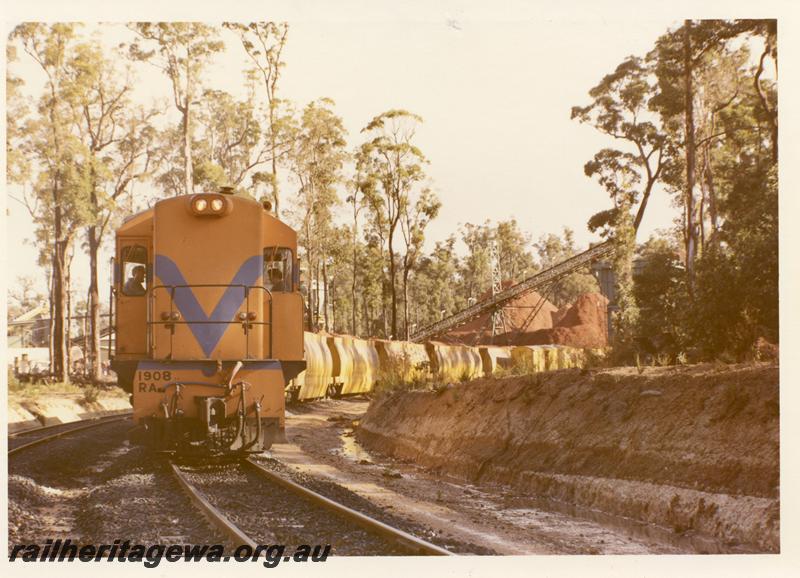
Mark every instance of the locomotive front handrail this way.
pixel 246 323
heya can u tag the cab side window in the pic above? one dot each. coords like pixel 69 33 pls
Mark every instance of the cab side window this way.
pixel 134 270
pixel 278 269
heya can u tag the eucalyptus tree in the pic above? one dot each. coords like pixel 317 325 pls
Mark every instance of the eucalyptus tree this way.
pixel 316 160
pixel 716 125
pixel 180 50
pixel 264 43
pixel 678 57
pixel 513 247
pixel 432 293
pixel 232 135
pixel 59 162
pixel 416 214
pixel 357 202
pixel 768 30
pixel 619 109
pixel 393 168
pixel 475 269
pixel 719 85
pixel 553 249
pixel 17 109
pixel 119 140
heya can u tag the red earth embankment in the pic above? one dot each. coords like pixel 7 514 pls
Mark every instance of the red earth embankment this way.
pixel 690 449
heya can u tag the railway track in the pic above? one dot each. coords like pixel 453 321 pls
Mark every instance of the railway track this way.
pixel 247 519
pixel 251 504
pixel 37 436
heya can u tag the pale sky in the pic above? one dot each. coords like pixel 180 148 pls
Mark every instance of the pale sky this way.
pixel 494 90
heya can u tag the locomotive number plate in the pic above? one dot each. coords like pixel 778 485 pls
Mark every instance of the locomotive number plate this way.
pixel 152 381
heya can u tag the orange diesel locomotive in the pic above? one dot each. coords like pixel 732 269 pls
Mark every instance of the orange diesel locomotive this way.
pixel 209 322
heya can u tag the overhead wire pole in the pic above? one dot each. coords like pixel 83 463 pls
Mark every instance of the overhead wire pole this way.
pixel 530 284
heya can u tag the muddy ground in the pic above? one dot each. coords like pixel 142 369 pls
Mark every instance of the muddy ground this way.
pixel 484 517
pixel 692 451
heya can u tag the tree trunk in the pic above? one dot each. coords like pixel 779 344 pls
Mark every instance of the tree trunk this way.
pixel 645 197
pixel 332 289
pixel 708 177
pixel 85 344
pixel 52 320
pixel 187 149
pixel 772 113
pixel 325 292
pixel 354 296
pixel 310 289
pixel 367 319
pixel 353 327
pixel 68 321
pixel 690 234
pixel 384 308
pixel 406 271
pixel 316 298
pixel 93 357
pixel 392 280
pixel 59 313
pixel 273 148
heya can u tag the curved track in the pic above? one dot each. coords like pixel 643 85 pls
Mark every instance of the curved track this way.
pixel 393 539
pixel 60 430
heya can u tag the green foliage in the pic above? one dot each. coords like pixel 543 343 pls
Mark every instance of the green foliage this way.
pixel 32 391
pixel 737 282
pixel 316 159
pixel 90 393
pixel 660 292
pixel 181 50
pixel 553 249
pixel 716 148
pixel 232 145
pixel 432 291
pixel 401 373
pixel 476 267
pixel 619 109
pixel 626 316
pixel 516 260
pixel 17 164
pixel 392 179
pixel 264 43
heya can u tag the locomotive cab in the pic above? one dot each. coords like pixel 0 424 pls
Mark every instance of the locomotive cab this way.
pixel 208 321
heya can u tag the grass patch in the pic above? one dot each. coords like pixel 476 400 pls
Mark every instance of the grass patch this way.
pixel 32 391
pixel 402 374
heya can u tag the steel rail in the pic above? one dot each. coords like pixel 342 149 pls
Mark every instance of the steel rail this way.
pixel 43 428
pixel 403 539
pixel 100 422
pixel 211 513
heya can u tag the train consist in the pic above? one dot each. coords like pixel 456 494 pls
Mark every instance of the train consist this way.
pixel 209 341
pixel 340 365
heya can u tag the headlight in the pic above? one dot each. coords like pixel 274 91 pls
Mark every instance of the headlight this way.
pixel 216 205
pixel 200 205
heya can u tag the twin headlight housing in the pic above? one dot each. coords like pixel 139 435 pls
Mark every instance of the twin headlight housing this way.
pixel 210 205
